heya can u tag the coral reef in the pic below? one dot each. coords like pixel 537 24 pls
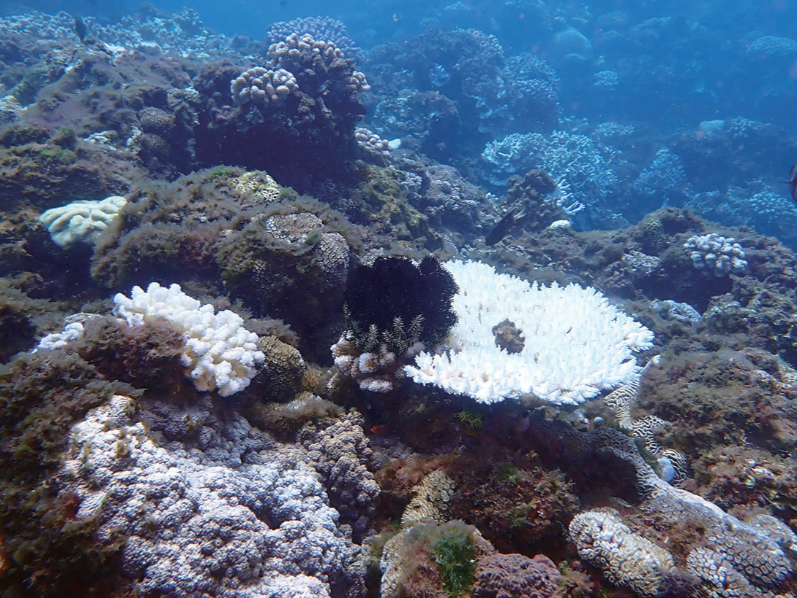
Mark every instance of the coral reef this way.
pixel 256 522
pixel 81 221
pixel 428 559
pixel 304 134
pixel 742 558
pixel 291 262
pixel 219 353
pixel 170 231
pixel 192 444
pixel 460 91
pixel 477 367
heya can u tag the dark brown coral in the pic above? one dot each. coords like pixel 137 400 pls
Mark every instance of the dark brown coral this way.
pixel 517 576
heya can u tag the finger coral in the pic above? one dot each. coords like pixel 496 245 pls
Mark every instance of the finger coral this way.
pixel 220 354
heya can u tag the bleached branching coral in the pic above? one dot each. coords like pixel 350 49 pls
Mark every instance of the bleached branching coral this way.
pixel 576 343
pixel 220 354
pixel 81 221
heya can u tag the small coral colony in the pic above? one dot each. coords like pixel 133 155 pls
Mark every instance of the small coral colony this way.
pixel 290 319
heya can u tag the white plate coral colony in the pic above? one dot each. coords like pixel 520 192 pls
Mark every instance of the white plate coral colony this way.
pixel 576 343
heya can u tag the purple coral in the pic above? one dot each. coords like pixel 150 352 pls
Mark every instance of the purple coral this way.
pixel 517 576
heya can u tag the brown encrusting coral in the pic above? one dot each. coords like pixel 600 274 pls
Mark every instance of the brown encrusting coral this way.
pixel 47 546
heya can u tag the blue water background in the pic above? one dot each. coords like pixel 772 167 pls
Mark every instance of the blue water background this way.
pixel 701 39
pixel 665 68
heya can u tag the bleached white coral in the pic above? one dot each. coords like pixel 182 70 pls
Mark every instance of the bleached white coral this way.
pixel 220 354
pixel 58 340
pixel 81 221
pixel 575 343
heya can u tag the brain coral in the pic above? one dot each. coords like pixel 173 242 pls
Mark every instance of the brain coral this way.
pixel 626 558
pixel 517 576
pixel 81 221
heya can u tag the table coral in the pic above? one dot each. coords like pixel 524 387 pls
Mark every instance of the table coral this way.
pixel 576 343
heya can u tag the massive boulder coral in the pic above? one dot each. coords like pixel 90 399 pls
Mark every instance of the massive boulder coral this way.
pixel 169 230
pixel 220 508
pixel 517 576
pixel 291 262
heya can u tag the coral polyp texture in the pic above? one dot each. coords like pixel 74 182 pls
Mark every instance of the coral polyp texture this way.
pixel 261 85
pixel 625 558
pixel 81 221
pixel 716 254
pixel 219 510
pixel 220 354
pixel 576 344
pixel 517 576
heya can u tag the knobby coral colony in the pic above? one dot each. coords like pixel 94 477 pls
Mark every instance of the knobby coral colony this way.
pixel 172 421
